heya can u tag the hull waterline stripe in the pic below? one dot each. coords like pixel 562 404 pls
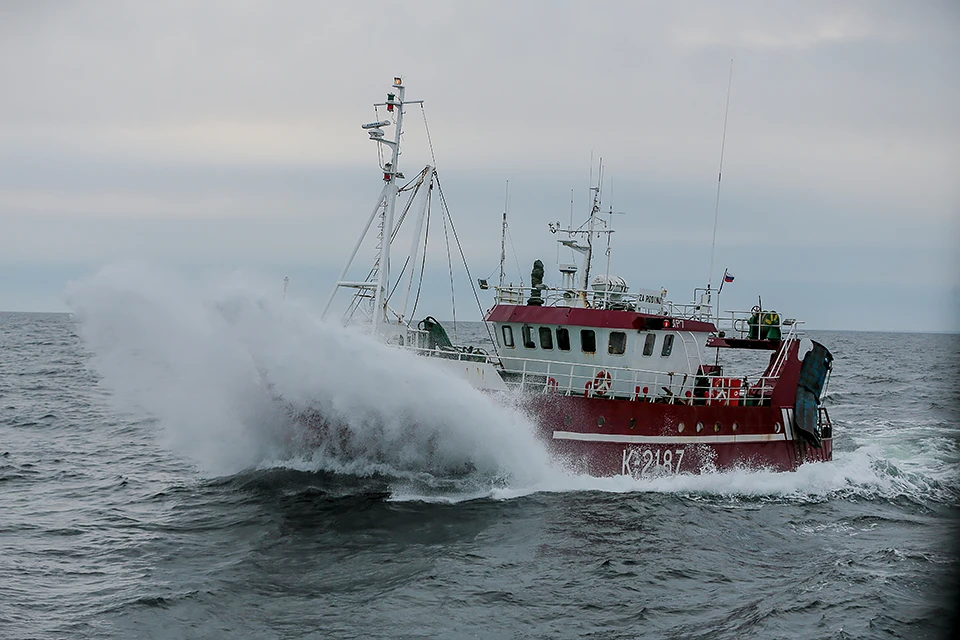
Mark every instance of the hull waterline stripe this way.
pixel 613 437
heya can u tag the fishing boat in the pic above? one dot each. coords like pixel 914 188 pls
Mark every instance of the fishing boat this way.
pixel 619 380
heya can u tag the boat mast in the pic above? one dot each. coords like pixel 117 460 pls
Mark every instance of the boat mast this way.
pixel 390 171
pixel 594 210
pixel 591 228
pixel 375 288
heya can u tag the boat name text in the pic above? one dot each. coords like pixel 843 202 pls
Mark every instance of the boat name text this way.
pixel 642 461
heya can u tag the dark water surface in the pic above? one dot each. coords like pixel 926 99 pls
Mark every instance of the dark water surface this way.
pixel 151 487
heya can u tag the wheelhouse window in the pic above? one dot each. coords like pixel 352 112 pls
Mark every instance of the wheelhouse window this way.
pixel 649 343
pixel 588 341
pixel 507 332
pixel 617 343
pixel 546 338
pixel 667 345
pixel 527 334
pixel 563 339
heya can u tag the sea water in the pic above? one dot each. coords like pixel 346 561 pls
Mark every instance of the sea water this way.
pixel 157 480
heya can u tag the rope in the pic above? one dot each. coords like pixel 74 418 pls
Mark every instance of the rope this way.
pixel 396 284
pixel 403 215
pixel 716 208
pixel 361 295
pixel 515 258
pixel 463 257
pixel 429 139
pixel 423 261
pixel 453 299
pixel 418 179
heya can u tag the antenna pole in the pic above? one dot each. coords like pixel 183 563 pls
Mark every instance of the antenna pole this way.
pixel 716 208
pixel 503 232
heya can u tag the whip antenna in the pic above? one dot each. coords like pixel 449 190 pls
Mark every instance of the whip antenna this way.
pixel 716 208
pixel 503 232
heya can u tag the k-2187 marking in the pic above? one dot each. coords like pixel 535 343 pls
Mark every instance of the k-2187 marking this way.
pixel 641 461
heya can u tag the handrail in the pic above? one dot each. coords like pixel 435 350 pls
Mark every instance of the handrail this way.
pixel 690 310
pixel 598 381
pixel 643 302
pixel 739 322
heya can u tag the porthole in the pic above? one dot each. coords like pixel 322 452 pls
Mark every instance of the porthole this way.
pixel 680 428
pixel 699 427
pixel 567 420
pixel 777 427
pixel 600 421
pixel 716 427
pixel 633 422
pixel 734 426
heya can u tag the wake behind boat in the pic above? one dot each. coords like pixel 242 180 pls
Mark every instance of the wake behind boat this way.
pixel 620 381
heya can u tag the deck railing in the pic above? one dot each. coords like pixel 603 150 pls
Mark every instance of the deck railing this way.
pixel 824 423
pixel 739 323
pixel 643 302
pixel 640 301
pixel 531 375
pixel 643 385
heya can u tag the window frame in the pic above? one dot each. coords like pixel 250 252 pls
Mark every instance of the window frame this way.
pixel 564 340
pixel 667 347
pixel 649 346
pixel 506 334
pixel 548 333
pixel 526 337
pixel 593 338
pixel 623 343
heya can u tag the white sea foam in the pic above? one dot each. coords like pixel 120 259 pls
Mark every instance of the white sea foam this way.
pixel 863 472
pixel 223 364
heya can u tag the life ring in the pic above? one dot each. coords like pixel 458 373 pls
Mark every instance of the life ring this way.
pixel 601 383
pixel 552 386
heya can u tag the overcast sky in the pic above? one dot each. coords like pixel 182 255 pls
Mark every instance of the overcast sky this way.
pixel 215 136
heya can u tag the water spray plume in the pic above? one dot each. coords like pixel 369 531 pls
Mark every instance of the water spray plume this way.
pixel 230 374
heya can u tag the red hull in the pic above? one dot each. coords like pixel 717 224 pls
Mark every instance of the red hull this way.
pixel 605 437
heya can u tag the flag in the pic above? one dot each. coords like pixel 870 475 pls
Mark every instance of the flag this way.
pixel 727 276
